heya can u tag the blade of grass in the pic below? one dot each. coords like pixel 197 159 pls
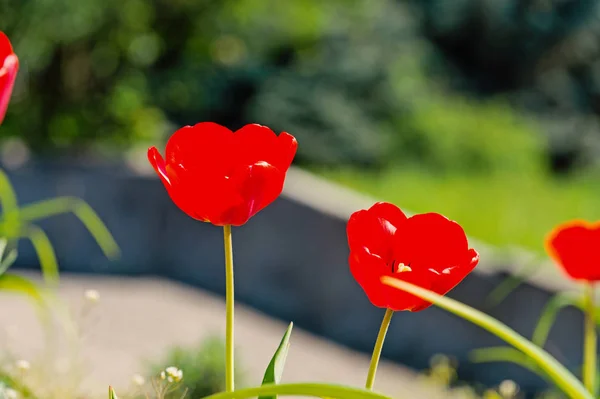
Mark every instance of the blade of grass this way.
pixel 7 261
pixel 549 314
pixel 82 211
pixel 43 248
pixel 15 283
pixel 506 354
pixel 274 370
pixel 564 379
pixel 301 389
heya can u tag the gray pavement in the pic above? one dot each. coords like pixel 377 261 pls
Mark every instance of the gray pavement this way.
pixel 140 318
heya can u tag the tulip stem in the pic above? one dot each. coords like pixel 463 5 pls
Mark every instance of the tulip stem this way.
pixel 229 305
pixel 590 340
pixel 385 323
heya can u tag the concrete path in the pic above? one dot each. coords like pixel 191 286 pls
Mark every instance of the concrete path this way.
pixel 137 319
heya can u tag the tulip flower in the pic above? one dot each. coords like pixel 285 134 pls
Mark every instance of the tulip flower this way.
pixel 215 175
pixel 575 247
pixel 427 250
pixel 9 65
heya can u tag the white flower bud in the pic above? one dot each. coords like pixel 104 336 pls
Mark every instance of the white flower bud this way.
pixel 138 380
pixel 174 374
pixel 22 365
pixel 92 296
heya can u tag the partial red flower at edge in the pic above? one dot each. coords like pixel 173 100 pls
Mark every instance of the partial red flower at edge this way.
pixel 427 250
pixel 575 246
pixel 9 65
pixel 221 177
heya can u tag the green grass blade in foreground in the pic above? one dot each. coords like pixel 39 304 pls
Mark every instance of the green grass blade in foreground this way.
pixel 82 211
pixel 45 252
pixel 8 201
pixel 6 260
pixel 112 394
pixel 564 380
pixel 14 283
pixel 14 383
pixel 275 367
pixel 513 281
pixel 301 389
pixel 549 314
pixel 506 354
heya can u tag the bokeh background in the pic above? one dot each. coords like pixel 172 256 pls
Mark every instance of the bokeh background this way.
pixel 484 110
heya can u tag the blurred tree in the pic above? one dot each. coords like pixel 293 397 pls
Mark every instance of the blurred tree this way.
pixel 545 54
pixel 345 76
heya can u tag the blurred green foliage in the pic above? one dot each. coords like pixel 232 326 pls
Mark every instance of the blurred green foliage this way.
pixel 347 77
pixel 463 107
pixel 541 54
pixel 17 222
pixel 203 368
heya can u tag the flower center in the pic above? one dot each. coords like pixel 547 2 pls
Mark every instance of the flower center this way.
pixel 400 267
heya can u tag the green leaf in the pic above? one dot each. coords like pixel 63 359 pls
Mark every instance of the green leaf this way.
pixel 7 261
pixel 505 354
pixel 564 379
pixel 15 283
pixel 82 211
pixel 549 314
pixel 8 199
pixel 111 393
pixel 275 368
pixel 512 282
pixel 301 389
pixel 45 252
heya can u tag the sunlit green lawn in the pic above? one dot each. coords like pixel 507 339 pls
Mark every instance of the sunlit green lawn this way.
pixel 512 210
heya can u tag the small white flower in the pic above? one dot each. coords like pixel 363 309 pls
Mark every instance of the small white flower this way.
pixel 138 380
pixel 163 375
pixel 508 389
pixel 10 393
pixel 174 374
pixel 22 365
pixel 92 296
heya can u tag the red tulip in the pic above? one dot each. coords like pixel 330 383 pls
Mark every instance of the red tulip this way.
pixel 9 64
pixel 221 177
pixel 575 246
pixel 427 250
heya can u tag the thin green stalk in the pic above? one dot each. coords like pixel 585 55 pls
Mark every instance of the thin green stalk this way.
pixel 300 389
pixel 590 340
pixel 563 379
pixel 385 323
pixel 229 305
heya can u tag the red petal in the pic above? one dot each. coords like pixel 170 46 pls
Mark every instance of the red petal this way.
pixel 9 65
pixel 5 46
pixel 367 270
pixel 401 300
pixel 574 245
pixel 158 163
pixel 258 185
pixel 448 278
pixel 287 148
pixel 431 241
pixel 255 143
pixel 205 148
pixel 374 229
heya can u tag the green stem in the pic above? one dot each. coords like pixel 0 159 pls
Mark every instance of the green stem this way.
pixel 548 364
pixel 590 340
pixel 229 302
pixel 385 323
pixel 300 389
